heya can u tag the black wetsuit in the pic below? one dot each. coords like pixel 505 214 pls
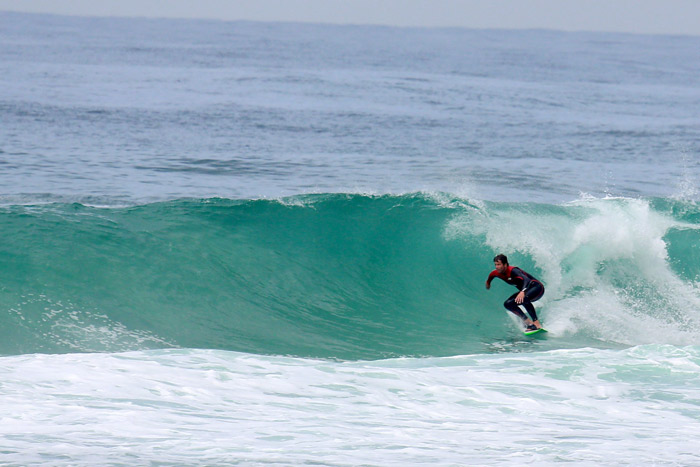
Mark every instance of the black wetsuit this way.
pixel 525 283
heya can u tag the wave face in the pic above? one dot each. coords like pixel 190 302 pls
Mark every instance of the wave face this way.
pixel 344 276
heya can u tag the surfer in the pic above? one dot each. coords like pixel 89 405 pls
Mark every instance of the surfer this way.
pixel 530 290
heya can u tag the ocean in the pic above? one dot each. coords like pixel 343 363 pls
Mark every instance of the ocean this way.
pixel 240 243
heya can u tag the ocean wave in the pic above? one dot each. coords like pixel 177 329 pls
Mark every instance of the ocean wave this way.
pixel 344 276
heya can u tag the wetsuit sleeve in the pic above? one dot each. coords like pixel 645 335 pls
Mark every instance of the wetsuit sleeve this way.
pixel 493 274
pixel 524 277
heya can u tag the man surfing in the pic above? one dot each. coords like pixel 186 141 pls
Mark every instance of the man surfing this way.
pixel 530 290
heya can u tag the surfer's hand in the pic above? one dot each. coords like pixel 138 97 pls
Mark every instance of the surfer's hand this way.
pixel 488 286
pixel 520 298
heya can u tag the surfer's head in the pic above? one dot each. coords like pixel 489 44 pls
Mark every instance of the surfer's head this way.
pixel 501 259
pixel 501 262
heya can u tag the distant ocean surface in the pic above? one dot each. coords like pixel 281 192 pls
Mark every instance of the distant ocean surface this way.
pixel 234 243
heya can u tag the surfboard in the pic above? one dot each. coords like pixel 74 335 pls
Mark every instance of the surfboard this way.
pixel 536 331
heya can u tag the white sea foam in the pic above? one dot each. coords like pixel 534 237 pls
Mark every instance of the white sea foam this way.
pixel 193 407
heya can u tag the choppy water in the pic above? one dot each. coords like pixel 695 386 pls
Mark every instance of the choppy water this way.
pixel 248 243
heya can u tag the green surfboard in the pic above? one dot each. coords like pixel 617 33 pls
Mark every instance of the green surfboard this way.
pixel 536 331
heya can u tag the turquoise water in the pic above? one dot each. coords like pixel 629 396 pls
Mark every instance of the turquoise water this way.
pixel 344 276
pixel 266 244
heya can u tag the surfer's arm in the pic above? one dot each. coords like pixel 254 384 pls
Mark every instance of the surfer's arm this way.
pixel 524 277
pixel 488 281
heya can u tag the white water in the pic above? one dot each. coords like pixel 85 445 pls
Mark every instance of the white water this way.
pixel 639 406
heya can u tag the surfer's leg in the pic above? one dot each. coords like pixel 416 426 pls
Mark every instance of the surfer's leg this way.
pixel 533 314
pixel 530 310
pixel 515 309
pixel 533 294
